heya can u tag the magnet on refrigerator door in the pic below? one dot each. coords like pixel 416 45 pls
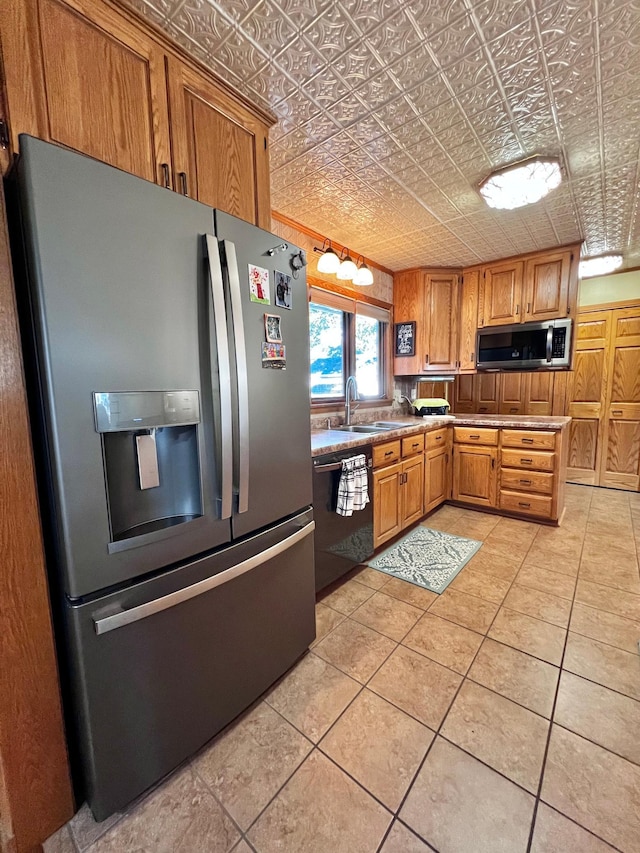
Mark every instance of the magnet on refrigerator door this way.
pixel 259 284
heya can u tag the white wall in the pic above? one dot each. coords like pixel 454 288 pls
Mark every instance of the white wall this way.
pixel 616 287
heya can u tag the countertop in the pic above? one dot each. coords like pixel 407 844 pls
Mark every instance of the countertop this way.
pixel 331 440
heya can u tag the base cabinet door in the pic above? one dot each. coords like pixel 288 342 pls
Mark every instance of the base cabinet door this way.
pixel 437 478
pixel 387 511
pixel 475 474
pixel 412 490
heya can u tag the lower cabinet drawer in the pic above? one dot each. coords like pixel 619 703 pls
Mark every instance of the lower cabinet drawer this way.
pixel 413 444
pixel 538 505
pixel 526 481
pixel 436 438
pixel 536 439
pixel 471 435
pixel 385 454
pixel 535 460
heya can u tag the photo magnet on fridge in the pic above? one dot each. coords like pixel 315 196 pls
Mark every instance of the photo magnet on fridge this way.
pixel 259 285
pixel 274 355
pixel 272 330
pixel 284 294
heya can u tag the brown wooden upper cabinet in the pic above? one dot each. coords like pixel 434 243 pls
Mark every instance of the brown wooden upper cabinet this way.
pixel 532 288
pixel 430 298
pixel 468 322
pixel 89 75
pixel 219 150
pixel 501 294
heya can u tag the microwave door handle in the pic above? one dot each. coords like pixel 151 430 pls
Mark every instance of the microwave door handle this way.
pixel 224 371
pixel 243 381
pixel 549 343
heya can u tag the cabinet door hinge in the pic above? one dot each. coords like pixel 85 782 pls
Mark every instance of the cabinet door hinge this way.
pixel 4 134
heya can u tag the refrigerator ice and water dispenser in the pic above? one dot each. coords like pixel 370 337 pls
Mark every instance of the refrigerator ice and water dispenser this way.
pixel 151 464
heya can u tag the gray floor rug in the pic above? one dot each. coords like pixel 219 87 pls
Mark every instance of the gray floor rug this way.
pixel 426 557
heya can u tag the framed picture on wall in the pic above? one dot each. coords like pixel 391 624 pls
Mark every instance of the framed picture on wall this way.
pixel 406 338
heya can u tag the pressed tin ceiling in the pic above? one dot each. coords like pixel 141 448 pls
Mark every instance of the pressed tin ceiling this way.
pixel 391 113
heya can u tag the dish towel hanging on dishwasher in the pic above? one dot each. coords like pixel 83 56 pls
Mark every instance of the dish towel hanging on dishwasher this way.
pixel 353 490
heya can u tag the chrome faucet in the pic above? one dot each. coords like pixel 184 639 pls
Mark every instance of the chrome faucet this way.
pixel 350 384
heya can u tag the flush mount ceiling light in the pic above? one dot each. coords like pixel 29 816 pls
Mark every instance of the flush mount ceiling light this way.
pixel 364 276
pixel 328 262
pixel 348 270
pixel 601 265
pixel 522 183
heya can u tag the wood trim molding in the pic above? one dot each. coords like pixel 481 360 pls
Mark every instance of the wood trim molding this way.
pixel 609 306
pixel 321 284
pixel 32 739
pixel 315 235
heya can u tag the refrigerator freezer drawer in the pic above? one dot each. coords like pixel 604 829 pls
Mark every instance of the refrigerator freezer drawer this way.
pixel 199 647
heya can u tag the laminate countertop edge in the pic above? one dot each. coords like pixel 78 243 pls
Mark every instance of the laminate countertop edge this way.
pixel 331 440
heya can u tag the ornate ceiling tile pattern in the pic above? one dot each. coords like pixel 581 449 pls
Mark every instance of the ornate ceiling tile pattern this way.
pixel 391 112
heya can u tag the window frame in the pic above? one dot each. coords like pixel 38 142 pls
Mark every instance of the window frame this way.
pixel 348 301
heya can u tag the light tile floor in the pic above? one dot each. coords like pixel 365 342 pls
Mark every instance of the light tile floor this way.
pixel 502 715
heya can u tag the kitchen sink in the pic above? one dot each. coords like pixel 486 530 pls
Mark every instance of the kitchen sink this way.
pixel 363 428
pixel 390 424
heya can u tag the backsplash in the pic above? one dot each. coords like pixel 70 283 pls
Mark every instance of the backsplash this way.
pixel 403 386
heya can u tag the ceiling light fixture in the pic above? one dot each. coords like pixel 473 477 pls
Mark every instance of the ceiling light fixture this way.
pixel 348 270
pixel 329 262
pixel 521 183
pixel 601 265
pixel 364 276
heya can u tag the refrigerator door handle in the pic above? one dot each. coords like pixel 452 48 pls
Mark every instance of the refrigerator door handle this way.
pixel 224 371
pixel 243 382
pixel 105 624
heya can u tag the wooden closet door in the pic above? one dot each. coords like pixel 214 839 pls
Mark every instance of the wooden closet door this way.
pixel 620 467
pixel 586 397
pixel 512 393
pixel 219 148
pixel 538 393
pixel 98 86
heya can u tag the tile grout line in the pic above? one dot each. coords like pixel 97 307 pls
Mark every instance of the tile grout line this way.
pixel 438 730
pixel 555 701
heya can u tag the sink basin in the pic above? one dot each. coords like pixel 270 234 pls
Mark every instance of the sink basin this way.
pixel 364 428
pixel 390 424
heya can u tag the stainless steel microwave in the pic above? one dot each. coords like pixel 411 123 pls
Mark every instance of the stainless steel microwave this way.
pixel 524 346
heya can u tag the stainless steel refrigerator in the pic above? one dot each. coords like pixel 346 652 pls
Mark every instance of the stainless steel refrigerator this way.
pixel 173 444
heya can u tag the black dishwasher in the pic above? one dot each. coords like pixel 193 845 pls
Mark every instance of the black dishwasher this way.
pixel 341 542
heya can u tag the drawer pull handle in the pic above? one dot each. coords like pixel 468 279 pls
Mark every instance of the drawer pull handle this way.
pixel 526 482
pixel 389 453
pixel 526 461
pixel 522 503
pixel 474 436
pixel 483 408
pixel 513 410
pixel 527 441
pixel 617 412
pixel 416 444
pixel 438 438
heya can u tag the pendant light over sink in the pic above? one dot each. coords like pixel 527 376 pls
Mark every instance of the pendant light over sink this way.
pixel 343 266
pixel 521 183
pixel 329 262
pixel 348 269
